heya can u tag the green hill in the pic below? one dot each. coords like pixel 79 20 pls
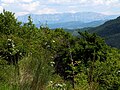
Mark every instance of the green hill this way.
pixel 110 30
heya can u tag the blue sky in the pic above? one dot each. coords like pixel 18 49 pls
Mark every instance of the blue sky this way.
pixel 22 7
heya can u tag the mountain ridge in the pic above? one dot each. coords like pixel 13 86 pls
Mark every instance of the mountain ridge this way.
pixel 75 24
pixel 66 17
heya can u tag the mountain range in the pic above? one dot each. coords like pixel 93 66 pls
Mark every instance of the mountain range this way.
pixel 76 24
pixel 68 20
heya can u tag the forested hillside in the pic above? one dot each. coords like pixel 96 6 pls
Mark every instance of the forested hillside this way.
pixel 34 58
pixel 110 30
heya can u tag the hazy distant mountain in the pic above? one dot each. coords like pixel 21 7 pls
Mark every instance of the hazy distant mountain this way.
pixel 75 24
pixel 84 17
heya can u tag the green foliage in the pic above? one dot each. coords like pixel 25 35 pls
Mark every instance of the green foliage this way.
pixel 34 58
pixel 8 23
pixel 107 73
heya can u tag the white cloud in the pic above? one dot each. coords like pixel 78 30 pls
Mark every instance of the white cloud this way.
pixel 29 6
pixel 4 4
pixel 7 1
pixel 58 1
pixel 112 2
pixel 97 2
pixel 21 7
pixel 46 11
pixel 103 2
pixel 21 13
pixel 66 1
pixel 25 1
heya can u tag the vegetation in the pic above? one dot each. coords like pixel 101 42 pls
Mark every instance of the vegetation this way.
pixel 110 30
pixel 34 58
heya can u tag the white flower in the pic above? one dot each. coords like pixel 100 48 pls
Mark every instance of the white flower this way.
pixel 9 39
pixel 13 49
pixel 13 45
pixel 51 82
pixel 52 57
pixel 10 53
pixel 52 63
pixel 53 41
pixel 20 53
pixel 9 44
pixel 59 85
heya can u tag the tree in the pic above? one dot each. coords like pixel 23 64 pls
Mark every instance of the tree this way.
pixel 8 23
pixel 79 56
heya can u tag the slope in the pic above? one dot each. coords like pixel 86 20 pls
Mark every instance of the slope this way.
pixel 110 30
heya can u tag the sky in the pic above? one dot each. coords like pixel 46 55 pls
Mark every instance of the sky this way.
pixel 22 7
